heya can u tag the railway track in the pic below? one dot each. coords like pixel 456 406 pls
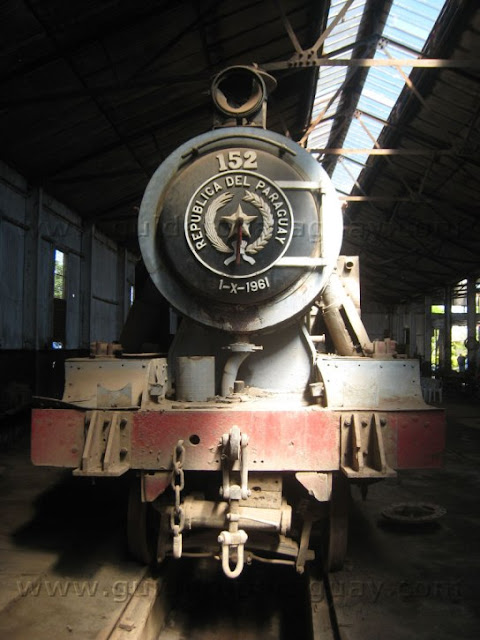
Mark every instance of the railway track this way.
pixel 192 600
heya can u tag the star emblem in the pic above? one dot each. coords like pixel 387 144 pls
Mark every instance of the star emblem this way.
pixel 239 220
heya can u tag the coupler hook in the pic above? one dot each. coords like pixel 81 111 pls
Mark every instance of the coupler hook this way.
pixel 237 540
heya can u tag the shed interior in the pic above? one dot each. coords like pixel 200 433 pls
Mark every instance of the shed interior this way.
pixel 95 95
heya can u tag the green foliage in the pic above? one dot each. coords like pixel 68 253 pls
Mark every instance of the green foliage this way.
pixel 59 275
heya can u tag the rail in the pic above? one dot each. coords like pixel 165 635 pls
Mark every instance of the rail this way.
pixel 193 598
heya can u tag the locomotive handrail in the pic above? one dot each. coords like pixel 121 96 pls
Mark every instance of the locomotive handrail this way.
pixel 195 150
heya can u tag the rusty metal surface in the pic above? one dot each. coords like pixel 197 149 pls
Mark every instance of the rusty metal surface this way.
pixel 57 437
pixel 420 439
pixel 278 441
pixel 304 440
pixel 411 439
pixel 154 484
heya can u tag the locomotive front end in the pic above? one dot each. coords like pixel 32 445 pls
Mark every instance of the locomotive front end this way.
pixel 243 439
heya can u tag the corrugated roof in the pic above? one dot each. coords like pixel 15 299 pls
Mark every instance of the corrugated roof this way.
pixel 93 95
pixel 330 79
pixel 407 28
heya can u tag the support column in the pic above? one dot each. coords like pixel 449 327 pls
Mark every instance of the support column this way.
pixel 447 333
pixel 86 285
pixel 428 333
pixel 122 289
pixel 31 289
pixel 412 348
pixel 472 339
pixel 31 269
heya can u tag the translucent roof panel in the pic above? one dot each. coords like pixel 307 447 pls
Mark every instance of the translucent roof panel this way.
pixel 330 79
pixel 408 26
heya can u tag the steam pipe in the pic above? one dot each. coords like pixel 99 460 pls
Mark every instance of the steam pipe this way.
pixel 240 351
pixel 336 300
pixel 230 371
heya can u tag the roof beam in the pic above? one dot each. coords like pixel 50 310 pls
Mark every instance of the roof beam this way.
pixel 379 199
pixel 101 108
pixel 130 139
pixel 299 51
pixel 423 63
pixel 96 176
pixel 17 100
pixel 371 151
pixel 373 22
pixel 100 33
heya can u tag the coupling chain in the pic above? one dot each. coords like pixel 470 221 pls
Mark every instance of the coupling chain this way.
pixel 178 484
pixel 177 515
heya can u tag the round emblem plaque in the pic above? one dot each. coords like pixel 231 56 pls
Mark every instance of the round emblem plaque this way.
pixel 238 224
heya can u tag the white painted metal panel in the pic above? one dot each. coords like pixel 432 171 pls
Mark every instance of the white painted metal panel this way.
pixel 367 383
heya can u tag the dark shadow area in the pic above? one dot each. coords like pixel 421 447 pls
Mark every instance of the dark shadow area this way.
pixel 408 529
pixel 81 519
pixel 14 428
pixel 266 601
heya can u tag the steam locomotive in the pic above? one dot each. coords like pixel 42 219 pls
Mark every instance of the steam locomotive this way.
pixel 244 438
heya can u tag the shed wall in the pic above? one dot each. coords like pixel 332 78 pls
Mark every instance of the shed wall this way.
pixel 98 273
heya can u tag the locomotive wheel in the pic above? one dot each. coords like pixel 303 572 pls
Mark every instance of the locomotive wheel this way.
pixel 141 527
pixel 335 548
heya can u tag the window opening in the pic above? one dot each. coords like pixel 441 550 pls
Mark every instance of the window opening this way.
pixel 59 288
pixel 59 315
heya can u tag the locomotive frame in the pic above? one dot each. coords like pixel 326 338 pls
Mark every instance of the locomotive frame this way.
pixel 272 400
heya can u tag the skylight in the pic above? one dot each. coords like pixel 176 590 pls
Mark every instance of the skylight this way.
pixel 407 28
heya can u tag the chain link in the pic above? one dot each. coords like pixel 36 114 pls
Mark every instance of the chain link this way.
pixel 177 517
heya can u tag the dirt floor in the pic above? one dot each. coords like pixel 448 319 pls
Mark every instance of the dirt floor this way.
pixel 63 562
pixel 65 571
pixel 418 581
